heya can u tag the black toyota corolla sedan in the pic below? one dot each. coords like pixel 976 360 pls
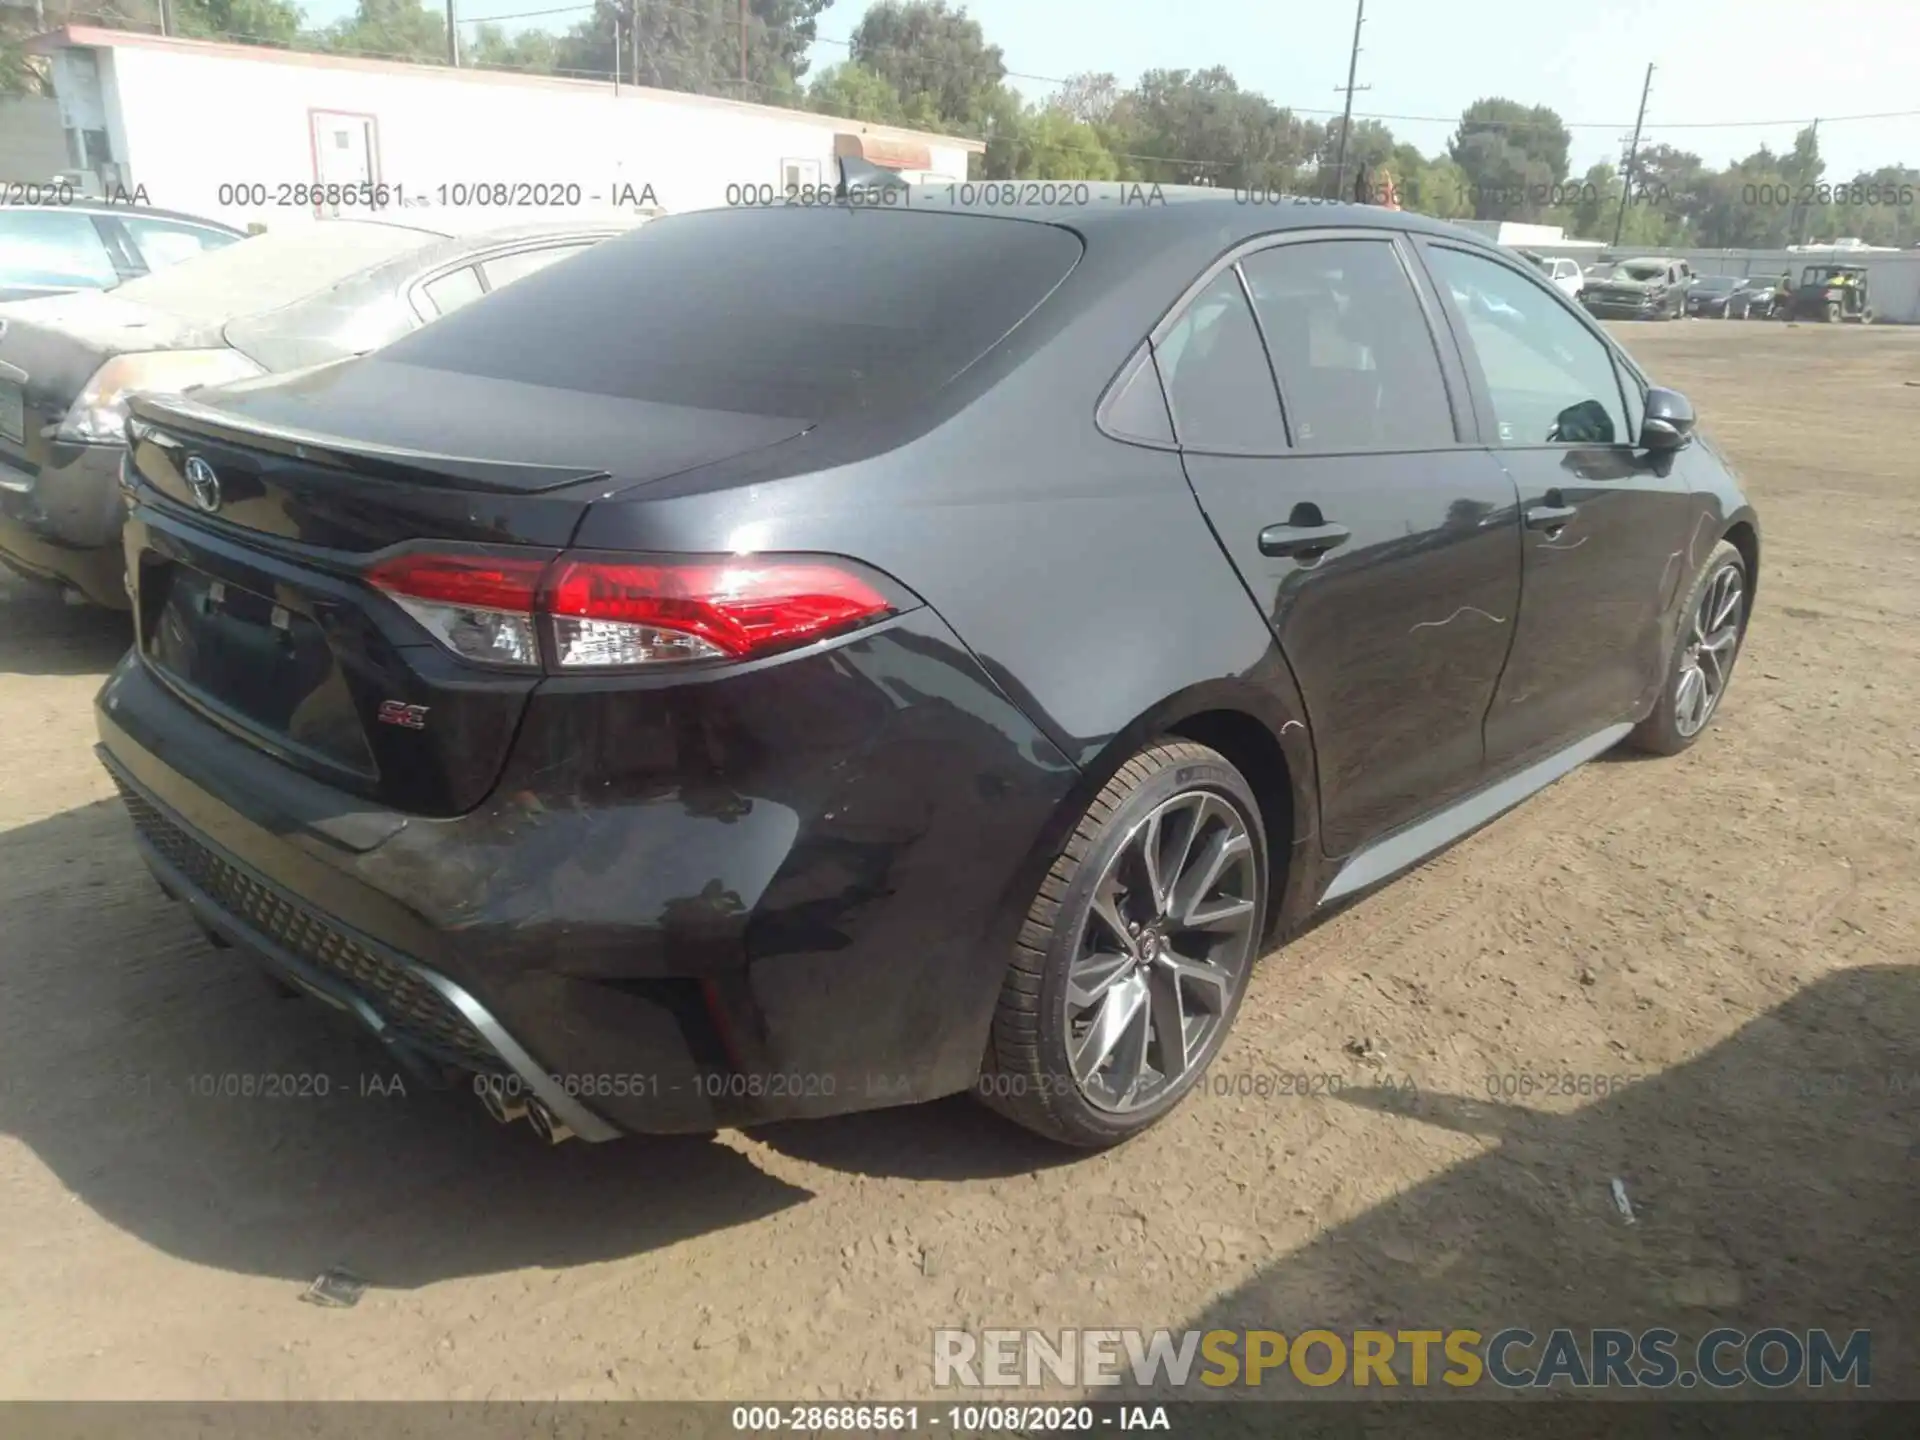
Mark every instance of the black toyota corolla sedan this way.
pixel 792 661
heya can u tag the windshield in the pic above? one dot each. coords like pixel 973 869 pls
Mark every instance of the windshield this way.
pixel 270 270
pixel 1717 283
pixel 796 313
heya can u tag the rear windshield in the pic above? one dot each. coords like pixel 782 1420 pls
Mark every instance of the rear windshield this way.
pixel 1720 282
pixel 794 313
pixel 271 270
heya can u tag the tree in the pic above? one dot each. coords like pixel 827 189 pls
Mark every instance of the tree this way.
pixel 1183 127
pixel 24 74
pixel 1369 151
pixel 1589 216
pixel 533 52
pixel 254 22
pixel 1433 187
pixel 394 29
pixel 1087 97
pixel 854 92
pixel 1510 153
pixel 923 48
pixel 691 47
pixel 1043 144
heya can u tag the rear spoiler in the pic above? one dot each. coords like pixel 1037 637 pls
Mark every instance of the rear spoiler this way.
pixel 153 416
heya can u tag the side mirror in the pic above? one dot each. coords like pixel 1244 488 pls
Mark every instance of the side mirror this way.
pixel 1669 423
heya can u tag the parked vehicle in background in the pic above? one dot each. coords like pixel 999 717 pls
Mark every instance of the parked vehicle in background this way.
pixel 1563 274
pixel 1710 295
pixel 92 245
pixel 1648 289
pixel 662 695
pixel 1833 293
pixel 1566 277
pixel 312 292
pixel 1755 298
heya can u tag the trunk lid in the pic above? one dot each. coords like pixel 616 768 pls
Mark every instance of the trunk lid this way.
pixel 255 517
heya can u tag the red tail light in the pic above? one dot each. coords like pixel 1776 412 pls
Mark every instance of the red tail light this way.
pixel 478 606
pixel 602 612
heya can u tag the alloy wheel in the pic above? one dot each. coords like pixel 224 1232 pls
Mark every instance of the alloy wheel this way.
pixel 1162 953
pixel 1707 662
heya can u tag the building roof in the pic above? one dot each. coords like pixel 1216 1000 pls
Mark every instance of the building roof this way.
pixel 97 38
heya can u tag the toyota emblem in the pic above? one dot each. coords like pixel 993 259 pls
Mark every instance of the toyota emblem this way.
pixel 204 484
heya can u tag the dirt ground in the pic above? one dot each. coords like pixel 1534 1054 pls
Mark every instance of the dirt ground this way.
pixel 1735 932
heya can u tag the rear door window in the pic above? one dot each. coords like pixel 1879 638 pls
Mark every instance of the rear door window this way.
pixel 1353 352
pixel 797 313
pixel 1218 384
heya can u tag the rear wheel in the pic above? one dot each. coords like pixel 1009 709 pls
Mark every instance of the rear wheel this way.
pixel 1135 953
pixel 1701 666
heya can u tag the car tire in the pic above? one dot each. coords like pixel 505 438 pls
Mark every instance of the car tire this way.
pixel 1695 681
pixel 1108 962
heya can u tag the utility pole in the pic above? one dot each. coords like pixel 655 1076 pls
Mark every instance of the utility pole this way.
pixel 166 21
pixel 633 37
pixel 1346 118
pixel 1796 232
pixel 743 46
pixel 1633 154
pixel 453 38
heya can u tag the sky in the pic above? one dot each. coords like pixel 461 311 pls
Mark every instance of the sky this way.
pixel 1717 61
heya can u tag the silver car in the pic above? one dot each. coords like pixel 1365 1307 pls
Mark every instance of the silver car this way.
pixel 305 295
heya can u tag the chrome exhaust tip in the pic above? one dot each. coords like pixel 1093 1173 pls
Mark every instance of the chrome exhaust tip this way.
pixel 494 1098
pixel 548 1126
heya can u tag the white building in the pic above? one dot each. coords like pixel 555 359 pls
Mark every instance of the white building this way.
pixel 1521 235
pixel 243 133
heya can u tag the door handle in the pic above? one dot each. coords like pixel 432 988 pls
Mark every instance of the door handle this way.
pixel 1305 542
pixel 1550 517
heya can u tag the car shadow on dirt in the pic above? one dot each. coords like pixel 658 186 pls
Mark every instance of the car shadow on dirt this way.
pixel 169 1089
pixel 953 1139
pixel 40 635
pixel 1771 1182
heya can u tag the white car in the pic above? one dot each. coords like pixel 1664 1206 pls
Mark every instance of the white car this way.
pixel 1565 275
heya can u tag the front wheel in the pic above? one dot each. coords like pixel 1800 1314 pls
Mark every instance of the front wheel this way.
pixel 1135 953
pixel 1701 666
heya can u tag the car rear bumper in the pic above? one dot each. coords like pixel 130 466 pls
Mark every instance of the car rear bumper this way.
pixel 62 521
pixel 784 930
pixel 423 1017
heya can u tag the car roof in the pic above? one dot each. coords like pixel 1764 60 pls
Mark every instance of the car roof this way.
pixel 1151 218
pixel 147 212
